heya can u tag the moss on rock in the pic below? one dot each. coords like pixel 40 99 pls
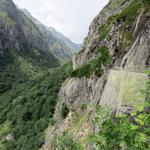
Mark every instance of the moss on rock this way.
pixel 96 65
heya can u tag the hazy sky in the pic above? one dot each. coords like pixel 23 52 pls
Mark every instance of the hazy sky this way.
pixel 70 17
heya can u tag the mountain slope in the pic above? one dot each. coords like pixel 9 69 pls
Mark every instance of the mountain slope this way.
pixel 108 71
pixel 30 78
pixel 59 45
pixel 67 41
pixel 20 34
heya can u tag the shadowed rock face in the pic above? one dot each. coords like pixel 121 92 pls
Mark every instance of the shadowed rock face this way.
pixel 126 34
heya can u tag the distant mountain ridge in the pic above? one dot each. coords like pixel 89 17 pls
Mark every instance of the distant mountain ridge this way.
pixel 63 47
pixel 20 31
pixel 107 73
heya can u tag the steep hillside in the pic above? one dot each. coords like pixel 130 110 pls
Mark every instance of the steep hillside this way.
pixel 67 41
pixel 59 45
pixel 30 78
pixel 23 33
pixel 108 71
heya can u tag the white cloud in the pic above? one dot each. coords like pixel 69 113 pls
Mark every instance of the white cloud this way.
pixel 70 17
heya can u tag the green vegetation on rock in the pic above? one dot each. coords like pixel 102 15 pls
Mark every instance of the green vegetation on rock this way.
pixel 126 18
pixel 123 131
pixel 105 29
pixel 96 66
pixel 66 142
pixel 28 104
pixel 131 12
pixel 64 111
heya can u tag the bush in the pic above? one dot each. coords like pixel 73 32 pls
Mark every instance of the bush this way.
pixel 124 131
pixel 96 66
pixel 64 111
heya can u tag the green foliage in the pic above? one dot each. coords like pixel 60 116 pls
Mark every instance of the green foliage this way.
pixel 66 142
pixel 126 17
pixel 38 58
pixel 86 71
pixel 104 30
pixel 64 111
pixel 84 107
pixel 29 104
pixel 9 76
pixel 131 12
pixel 5 19
pixel 5 129
pixel 94 66
pixel 127 38
pixel 122 131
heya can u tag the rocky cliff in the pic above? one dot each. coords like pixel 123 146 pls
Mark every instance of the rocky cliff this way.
pixel 31 74
pixel 109 69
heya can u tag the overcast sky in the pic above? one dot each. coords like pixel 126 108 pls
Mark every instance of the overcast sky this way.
pixel 70 17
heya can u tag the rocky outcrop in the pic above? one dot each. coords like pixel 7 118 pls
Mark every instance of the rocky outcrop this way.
pixel 121 91
pixel 123 26
pixel 92 41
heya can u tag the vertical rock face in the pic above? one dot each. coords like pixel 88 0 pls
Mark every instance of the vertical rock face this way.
pixel 128 42
pixel 122 90
pixel 92 41
pixel 138 56
pixel 7 26
pixel 123 27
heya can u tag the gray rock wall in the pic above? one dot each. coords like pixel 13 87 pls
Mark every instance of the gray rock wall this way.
pixel 119 85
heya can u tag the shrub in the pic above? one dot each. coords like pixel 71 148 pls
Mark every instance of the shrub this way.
pixel 127 16
pixel 124 131
pixel 64 111
pixel 94 66
pixel 117 133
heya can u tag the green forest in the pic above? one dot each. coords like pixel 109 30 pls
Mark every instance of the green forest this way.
pixel 28 102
